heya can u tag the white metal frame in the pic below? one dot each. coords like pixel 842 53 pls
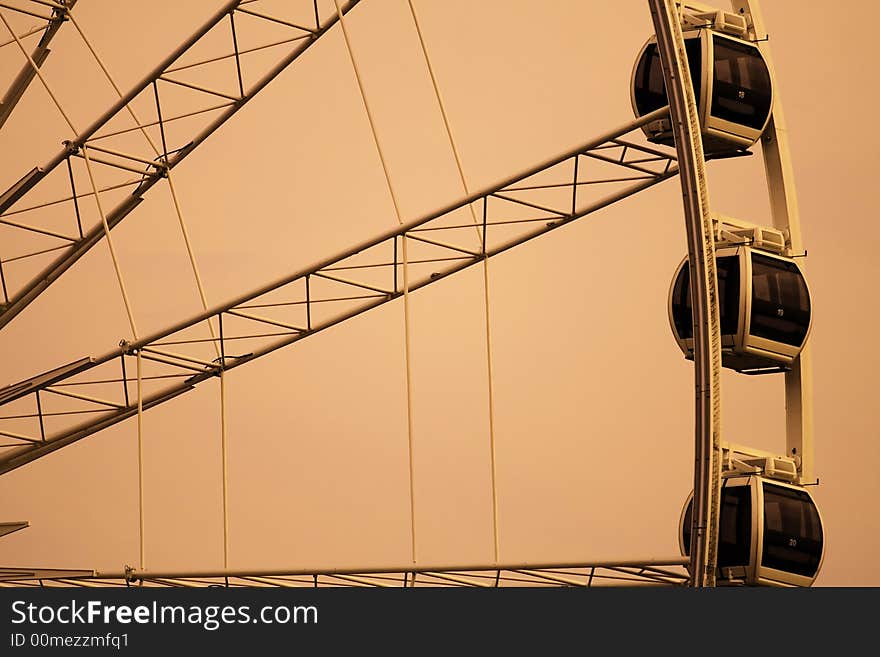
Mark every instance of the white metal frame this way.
pixel 652 572
pixel 786 217
pixel 699 231
pixel 668 18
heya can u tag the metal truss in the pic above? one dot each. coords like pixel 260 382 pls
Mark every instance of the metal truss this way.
pixel 176 109
pixel 666 572
pixel 53 21
pixel 62 406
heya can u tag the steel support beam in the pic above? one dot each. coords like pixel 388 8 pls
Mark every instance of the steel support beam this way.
pixel 649 572
pixel 357 280
pixel 786 217
pixel 39 55
pixel 704 290
pixel 19 299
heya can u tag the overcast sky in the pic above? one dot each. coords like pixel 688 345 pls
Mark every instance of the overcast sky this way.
pixel 593 399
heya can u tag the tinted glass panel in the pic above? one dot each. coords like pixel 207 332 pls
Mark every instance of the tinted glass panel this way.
pixel 728 297
pixel 681 304
pixel 650 89
pixel 792 533
pixel 741 86
pixel 735 531
pixel 780 301
pixel 686 528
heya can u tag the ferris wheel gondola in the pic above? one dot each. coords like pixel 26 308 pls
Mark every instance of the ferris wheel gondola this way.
pixel 732 85
pixel 770 533
pixel 764 308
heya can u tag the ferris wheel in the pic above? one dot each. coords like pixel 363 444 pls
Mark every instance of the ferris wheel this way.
pixel 701 89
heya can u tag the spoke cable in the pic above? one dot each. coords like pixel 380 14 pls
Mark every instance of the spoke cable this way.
pixel 202 298
pixel 467 191
pixel 38 72
pixel 406 304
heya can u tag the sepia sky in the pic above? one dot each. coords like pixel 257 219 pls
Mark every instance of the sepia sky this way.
pixel 593 401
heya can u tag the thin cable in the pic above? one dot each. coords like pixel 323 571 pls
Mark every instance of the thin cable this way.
pixel 445 117
pixel 140 417
pixel 223 454
pixel 406 308
pixel 196 274
pixel 192 260
pixel 39 74
pixel 111 80
pixel 491 408
pixel 140 408
pixel 154 146
pixel 30 32
pixel 458 164
pixel 134 332
pixel 119 278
